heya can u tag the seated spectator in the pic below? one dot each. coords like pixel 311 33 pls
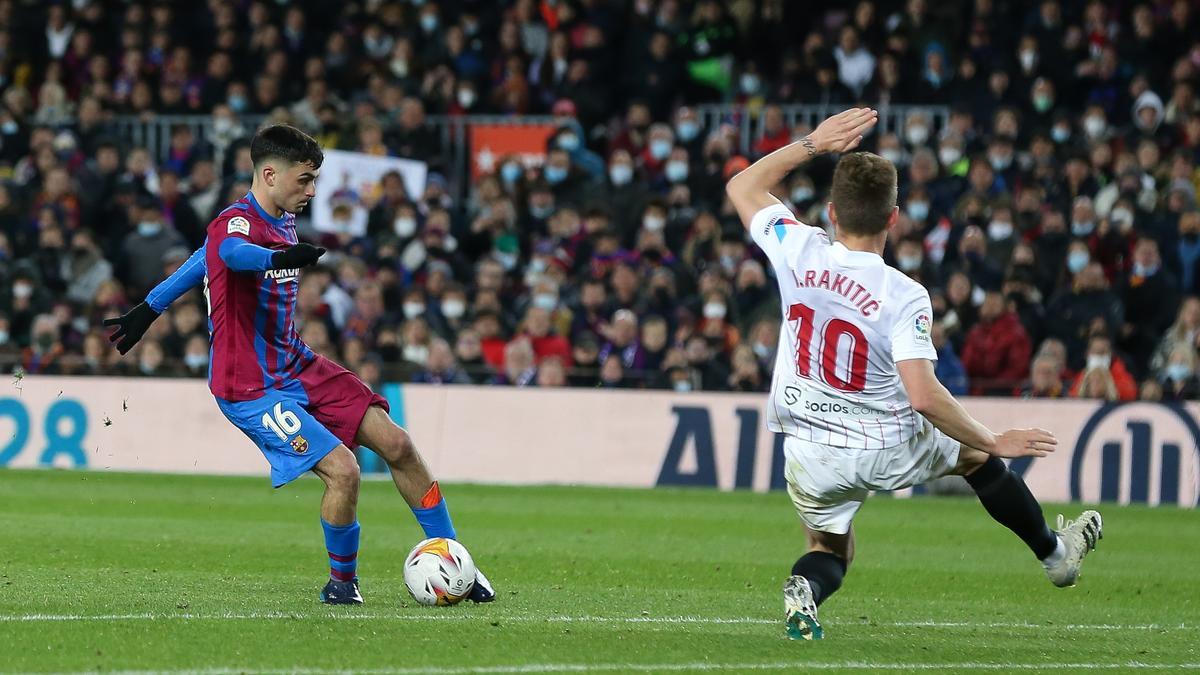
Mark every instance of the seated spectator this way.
pixel 1178 377
pixel 949 369
pixel 996 354
pixel 1100 357
pixel 1044 379
pixel 440 366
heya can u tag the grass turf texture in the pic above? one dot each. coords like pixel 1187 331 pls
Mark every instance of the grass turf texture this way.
pixel 207 573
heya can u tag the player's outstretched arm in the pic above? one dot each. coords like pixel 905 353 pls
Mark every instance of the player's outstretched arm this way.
pixel 242 256
pixel 935 402
pixel 750 190
pixel 132 325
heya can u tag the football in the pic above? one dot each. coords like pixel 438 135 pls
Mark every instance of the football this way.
pixel 439 571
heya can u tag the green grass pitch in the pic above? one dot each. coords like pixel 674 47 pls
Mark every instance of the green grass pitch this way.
pixel 156 573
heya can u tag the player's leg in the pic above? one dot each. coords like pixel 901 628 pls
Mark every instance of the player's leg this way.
pixel 1009 502
pixel 294 443
pixel 821 486
pixel 339 520
pixel 415 483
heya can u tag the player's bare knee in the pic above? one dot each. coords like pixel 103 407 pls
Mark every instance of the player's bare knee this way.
pixel 399 450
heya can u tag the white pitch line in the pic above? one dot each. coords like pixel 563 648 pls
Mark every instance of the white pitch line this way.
pixel 698 666
pixel 674 620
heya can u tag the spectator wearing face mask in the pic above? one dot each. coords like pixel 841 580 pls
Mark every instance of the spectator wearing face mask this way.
pixel 195 356
pixel 1178 377
pixel 1100 358
pixel 1075 308
pixel 145 246
pixel 1150 294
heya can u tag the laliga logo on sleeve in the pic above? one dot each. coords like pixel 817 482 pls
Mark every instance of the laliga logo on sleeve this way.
pixel 921 326
pixel 1138 453
pixel 238 225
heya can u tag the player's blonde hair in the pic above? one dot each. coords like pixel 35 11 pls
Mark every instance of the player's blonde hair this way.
pixel 864 193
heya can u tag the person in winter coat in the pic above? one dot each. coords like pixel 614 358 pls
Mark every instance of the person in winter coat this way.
pixel 997 349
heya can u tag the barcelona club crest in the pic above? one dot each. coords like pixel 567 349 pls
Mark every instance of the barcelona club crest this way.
pixel 300 445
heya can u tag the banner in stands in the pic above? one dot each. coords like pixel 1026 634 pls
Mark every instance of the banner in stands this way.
pixel 349 186
pixel 490 143
pixel 1135 452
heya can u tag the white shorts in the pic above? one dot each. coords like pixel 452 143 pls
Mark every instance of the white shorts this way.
pixel 828 484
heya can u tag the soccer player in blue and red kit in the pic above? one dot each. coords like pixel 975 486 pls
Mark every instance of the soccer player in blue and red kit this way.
pixel 303 411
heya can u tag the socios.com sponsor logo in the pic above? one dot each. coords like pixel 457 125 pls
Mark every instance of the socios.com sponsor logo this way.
pixel 1138 452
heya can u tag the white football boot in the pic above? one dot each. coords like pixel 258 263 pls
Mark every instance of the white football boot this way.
pixel 1079 537
pixel 801 610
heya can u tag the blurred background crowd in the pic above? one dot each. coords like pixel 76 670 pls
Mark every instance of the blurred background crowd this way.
pixel 1051 213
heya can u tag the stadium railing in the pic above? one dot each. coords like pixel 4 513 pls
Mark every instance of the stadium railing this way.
pixel 748 120
pixel 154 133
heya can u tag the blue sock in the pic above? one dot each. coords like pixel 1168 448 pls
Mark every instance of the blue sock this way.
pixel 341 541
pixel 433 515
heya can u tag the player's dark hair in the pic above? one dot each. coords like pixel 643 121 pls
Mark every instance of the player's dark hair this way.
pixel 287 143
pixel 864 193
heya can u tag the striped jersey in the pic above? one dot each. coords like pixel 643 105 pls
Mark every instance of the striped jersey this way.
pixel 848 318
pixel 255 346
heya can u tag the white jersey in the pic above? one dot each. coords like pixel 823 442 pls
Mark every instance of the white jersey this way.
pixel 848 319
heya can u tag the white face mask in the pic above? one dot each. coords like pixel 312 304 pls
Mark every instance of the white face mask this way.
pixel 1093 125
pixel 654 223
pixel 454 309
pixel 22 290
pixel 949 155
pixel 891 154
pixel 413 309
pixel 917 134
pixel 714 310
pixel 416 353
pixel 405 226
pixel 682 386
pixel 1101 361
pixel 999 230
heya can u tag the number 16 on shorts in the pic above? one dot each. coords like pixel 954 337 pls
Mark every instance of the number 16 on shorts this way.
pixel 282 423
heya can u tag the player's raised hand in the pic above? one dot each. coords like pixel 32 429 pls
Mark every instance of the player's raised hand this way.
pixel 1025 443
pixel 298 255
pixel 131 326
pixel 844 131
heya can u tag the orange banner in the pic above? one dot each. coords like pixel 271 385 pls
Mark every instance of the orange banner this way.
pixel 490 143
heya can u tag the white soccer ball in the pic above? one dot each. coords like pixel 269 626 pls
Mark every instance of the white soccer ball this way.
pixel 439 571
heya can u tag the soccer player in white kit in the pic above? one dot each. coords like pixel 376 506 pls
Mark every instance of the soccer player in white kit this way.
pixel 854 387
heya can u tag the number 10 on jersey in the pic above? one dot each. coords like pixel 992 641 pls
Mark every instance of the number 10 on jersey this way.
pixel 803 319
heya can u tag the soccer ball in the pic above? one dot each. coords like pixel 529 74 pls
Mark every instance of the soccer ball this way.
pixel 439 571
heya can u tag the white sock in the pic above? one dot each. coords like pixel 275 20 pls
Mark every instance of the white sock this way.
pixel 1060 552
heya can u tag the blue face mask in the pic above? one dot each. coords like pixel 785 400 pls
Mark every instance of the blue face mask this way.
pixel 1076 261
pixel 1060 134
pixel 1178 371
pixel 429 22
pixel 555 175
pixel 195 361
pixel 510 172
pixel 917 210
pixel 238 103
pixel 149 229
pixel 687 130
pixel 540 212
pixel 676 171
pixel 568 142
pixel 620 174
pixel 660 148
pixel 1140 270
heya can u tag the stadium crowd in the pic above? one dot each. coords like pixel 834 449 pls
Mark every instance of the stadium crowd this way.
pixel 1053 216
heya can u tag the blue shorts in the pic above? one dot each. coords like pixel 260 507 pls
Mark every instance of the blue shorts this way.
pixel 291 439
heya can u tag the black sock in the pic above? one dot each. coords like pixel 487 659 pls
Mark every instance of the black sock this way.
pixel 1008 501
pixel 824 572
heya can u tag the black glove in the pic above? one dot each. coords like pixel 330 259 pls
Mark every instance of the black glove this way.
pixel 299 255
pixel 131 326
